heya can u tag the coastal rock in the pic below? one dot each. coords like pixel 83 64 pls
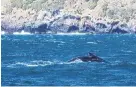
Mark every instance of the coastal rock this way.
pixel 114 23
pixel 9 28
pixel 66 23
pixel 41 29
pixel 73 28
pixel 118 30
pixel 122 28
pixel 89 16
pixel 88 29
pixel 2 28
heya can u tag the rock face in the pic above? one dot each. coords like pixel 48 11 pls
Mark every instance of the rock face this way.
pixel 73 28
pixel 40 29
pixel 66 16
pixel 70 24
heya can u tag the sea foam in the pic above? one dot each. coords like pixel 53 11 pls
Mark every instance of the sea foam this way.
pixel 71 34
pixel 2 32
pixel 40 63
pixel 22 33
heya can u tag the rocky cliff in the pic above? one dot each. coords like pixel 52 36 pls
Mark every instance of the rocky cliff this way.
pixel 84 16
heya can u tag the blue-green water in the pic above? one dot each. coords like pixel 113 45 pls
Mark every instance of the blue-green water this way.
pixel 41 60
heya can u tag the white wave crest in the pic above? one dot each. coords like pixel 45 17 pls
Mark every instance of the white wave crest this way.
pixel 55 41
pixel 2 32
pixel 91 42
pixel 127 51
pixel 76 61
pixel 22 33
pixel 71 34
pixel 38 63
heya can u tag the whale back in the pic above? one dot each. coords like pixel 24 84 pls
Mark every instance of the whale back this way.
pixel 91 57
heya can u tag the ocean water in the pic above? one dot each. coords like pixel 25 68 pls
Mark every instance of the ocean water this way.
pixel 41 60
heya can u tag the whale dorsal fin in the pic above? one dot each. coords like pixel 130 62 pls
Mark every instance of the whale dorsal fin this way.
pixel 90 54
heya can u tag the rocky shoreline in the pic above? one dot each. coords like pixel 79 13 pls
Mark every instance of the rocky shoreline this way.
pixel 69 24
pixel 68 16
pixel 55 22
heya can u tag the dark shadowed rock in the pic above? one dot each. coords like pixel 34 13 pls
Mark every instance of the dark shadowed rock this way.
pixel 10 30
pixel 32 30
pixel 71 17
pixel 42 28
pixel 2 28
pixel 114 23
pixel 102 28
pixel 124 26
pixel 119 30
pixel 101 25
pixel 73 28
pixel 19 30
pixel 78 18
pixel 27 28
pixel 88 28
pixel 55 12
pixel 63 28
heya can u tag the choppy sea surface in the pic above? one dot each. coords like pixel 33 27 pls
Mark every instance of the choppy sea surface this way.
pixel 41 60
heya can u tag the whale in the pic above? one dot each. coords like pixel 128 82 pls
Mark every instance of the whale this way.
pixel 90 58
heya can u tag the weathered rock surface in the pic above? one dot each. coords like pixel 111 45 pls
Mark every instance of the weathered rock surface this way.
pixel 68 24
pixel 66 16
